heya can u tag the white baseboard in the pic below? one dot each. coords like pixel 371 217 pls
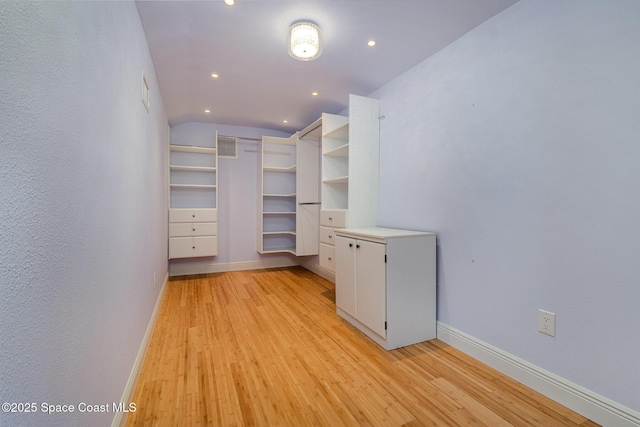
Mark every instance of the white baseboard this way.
pixel 276 261
pixel 120 419
pixel 320 271
pixel 585 402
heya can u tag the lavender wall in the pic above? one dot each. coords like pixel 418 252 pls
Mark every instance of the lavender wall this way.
pixel 237 200
pixel 518 145
pixel 83 218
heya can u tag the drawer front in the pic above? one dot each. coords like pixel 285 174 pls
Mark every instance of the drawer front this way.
pixel 327 235
pixel 193 215
pixel 327 257
pixel 189 247
pixel 333 218
pixel 183 229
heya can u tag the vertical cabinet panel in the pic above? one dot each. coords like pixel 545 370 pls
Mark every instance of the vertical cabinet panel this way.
pixel 364 161
pixel 345 252
pixel 307 218
pixel 308 191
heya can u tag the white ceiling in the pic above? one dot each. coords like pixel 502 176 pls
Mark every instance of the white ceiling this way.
pixel 260 85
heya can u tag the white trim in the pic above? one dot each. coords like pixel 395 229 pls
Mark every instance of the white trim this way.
pixel 597 408
pixel 120 418
pixel 277 261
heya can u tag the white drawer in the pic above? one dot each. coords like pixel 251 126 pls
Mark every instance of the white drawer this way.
pixel 193 215
pixel 327 257
pixel 333 218
pixel 327 235
pixel 183 229
pixel 188 247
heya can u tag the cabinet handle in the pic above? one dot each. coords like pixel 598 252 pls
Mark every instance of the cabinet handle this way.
pixel 330 236
pixel 350 245
pixel 193 216
pixel 357 246
pixel 193 229
pixel 193 247
pixel 329 258
pixel 330 218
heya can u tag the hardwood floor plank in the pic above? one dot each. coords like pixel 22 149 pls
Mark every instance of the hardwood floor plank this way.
pixel 266 348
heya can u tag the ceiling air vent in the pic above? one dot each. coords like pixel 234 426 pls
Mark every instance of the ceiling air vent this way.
pixel 227 147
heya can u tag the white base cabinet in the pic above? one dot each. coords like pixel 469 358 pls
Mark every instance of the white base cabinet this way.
pixel 386 283
pixel 193 233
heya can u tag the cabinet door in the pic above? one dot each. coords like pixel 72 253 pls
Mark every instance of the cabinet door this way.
pixel 371 285
pixel 307 218
pixel 345 261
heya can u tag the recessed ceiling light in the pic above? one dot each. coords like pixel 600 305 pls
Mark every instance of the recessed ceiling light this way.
pixel 314 93
pixel 207 111
pixel 214 75
pixel 371 43
pixel 285 121
pixel 229 2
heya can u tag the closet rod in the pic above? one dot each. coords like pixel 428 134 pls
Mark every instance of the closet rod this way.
pixel 241 137
pixel 309 131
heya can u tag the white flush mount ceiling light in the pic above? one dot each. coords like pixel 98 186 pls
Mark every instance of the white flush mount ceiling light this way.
pixel 304 41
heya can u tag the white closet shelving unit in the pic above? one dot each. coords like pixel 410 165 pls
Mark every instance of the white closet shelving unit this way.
pixel 277 195
pixel 350 165
pixel 193 201
pixel 288 193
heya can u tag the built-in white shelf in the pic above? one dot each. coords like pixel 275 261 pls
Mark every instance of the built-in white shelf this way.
pixel 291 250
pixel 273 233
pixel 192 168
pixel 279 195
pixel 192 186
pixel 278 169
pixel 339 180
pixel 279 213
pixel 341 132
pixel 342 151
pixel 191 149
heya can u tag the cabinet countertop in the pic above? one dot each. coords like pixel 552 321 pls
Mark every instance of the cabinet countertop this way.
pixel 380 233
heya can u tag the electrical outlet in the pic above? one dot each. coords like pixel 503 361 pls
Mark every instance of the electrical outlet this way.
pixel 155 280
pixel 547 322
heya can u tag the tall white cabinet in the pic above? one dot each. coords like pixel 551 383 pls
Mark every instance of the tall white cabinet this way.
pixel 308 189
pixel 350 173
pixel 193 201
pixel 288 194
pixel 386 283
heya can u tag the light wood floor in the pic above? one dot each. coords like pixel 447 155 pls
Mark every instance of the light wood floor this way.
pixel 266 348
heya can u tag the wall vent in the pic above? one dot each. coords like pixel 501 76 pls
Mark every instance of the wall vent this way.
pixel 227 147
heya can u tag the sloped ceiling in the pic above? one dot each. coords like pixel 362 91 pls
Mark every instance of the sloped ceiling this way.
pixel 260 85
